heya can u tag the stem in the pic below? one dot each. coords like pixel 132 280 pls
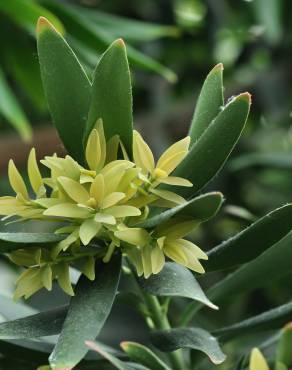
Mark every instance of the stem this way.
pixel 189 313
pixel 161 322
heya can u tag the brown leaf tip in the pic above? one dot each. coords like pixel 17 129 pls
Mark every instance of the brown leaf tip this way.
pixel 120 42
pixel 43 24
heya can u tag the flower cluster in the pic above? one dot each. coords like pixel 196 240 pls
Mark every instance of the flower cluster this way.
pixel 97 207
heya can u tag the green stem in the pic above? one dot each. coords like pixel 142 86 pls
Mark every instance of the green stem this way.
pixel 161 322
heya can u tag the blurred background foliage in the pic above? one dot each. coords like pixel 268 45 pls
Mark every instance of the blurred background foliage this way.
pixel 172 45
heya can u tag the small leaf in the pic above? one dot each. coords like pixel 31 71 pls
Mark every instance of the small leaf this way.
pixel 87 312
pixel 143 355
pixel 209 103
pixel 252 241
pixel 201 208
pixel 66 87
pixel 194 338
pixel 175 280
pixel 112 95
pixel 210 152
pixel 269 320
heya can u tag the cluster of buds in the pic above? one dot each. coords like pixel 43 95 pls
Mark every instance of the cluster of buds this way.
pixel 97 207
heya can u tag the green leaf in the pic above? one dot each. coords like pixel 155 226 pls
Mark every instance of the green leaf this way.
pixel 26 13
pixel 269 320
pixel 12 111
pixel 284 353
pixel 210 152
pixel 252 241
pixel 127 28
pixel 112 95
pixel 91 37
pixel 194 338
pixel 87 312
pixel 66 87
pixel 275 160
pixel 38 325
pixel 118 364
pixel 209 104
pixel 275 262
pixel 201 208
pixel 175 281
pixel 19 240
pixel 143 355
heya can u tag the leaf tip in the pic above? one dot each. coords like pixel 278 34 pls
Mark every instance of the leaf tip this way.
pixel 218 67
pixel 124 345
pixel 44 24
pixel 245 96
pixel 120 42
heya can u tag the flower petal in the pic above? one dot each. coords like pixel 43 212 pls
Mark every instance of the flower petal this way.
pixel 93 150
pixel 142 154
pixel 75 190
pixel 168 195
pixel 257 360
pixel 16 180
pixel 123 211
pixel 67 210
pixel 112 199
pixel 33 171
pixel 181 146
pixel 105 219
pixel 135 236
pixel 97 189
pixel 176 181
pixel 88 230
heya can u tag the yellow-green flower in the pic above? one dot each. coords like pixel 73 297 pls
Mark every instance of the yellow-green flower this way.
pixel 159 173
pixel 257 361
pixel 100 201
pixel 150 249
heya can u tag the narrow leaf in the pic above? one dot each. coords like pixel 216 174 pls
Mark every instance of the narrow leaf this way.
pixel 87 312
pixel 118 364
pixel 175 280
pixel 210 152
pixel 194 338
pixel 41 324
pixel 12 111
pixel 252 241
pixel 112 95
pixel 201 208
pixel 209 104
pixel 284 354
pixel 275 262
pixel 269 320
pixel 66 87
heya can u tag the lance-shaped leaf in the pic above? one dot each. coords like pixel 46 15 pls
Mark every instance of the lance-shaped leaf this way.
pixel 118 364
pixel 194 338
pixel 252 241
pixel 275 263
pixel 209 103
pixel 66 87
pixel 201 208
pixel 11 241
pixel 112 95
pixel 268 320
pixel 143 355
pixel 175 281
pixel 39 325
pixel 87 312
pixel 210 152
pixel 11 110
